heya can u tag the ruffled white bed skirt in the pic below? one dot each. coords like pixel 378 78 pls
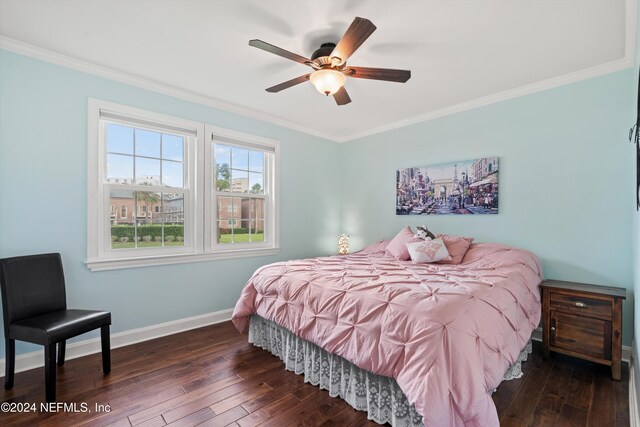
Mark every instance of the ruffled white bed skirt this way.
pixel 380 397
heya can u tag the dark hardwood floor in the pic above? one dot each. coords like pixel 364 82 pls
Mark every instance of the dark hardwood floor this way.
pixel 213 377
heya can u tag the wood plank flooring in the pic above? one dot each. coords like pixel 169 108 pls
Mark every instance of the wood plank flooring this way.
pixel 212 377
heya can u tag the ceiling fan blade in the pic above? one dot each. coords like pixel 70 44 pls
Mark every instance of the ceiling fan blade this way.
pixel 342 97
pixel 359 30
pixel 386 74
pixel 278 51
pixel 288 83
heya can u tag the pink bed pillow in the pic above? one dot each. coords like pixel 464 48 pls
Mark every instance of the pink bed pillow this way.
pixel 397 246
pixel 457 247
pixel 428 250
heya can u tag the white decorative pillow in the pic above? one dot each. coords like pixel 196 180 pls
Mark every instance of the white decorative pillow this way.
pixel 428 251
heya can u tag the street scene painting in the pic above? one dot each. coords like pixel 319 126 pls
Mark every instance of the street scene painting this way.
pixel 465 187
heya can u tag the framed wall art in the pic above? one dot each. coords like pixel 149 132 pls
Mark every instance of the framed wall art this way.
pixel 465 187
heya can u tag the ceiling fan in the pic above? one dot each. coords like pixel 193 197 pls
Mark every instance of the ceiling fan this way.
pixel 330 63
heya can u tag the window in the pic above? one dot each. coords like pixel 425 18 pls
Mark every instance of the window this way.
pixel 182 193
pixel 243 191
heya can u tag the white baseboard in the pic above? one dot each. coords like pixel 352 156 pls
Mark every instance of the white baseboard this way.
pixel 35 359
pixel 626 350
pixel 634 418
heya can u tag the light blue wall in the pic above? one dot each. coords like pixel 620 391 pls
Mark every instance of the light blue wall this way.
pixel 43 171
pixel 566 179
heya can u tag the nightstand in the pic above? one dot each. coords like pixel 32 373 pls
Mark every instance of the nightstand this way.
pixel 584 321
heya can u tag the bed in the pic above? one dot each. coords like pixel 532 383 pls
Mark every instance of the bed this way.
pixel 445 335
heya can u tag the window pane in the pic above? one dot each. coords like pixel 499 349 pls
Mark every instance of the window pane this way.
pixel 248 209
pixel 239 181
pixel 237 209
pixel 257 231
pixel 147 201
pixel 239 158
pixel 223 154
pixel 119 139
pixel 259 210
pixel 172 147
pixel 173 219
pixel 172 174
pixel 147 143
pixel 256 184
pixel 225 230
pixel 150 235
pixel 122 225
pixel 225 208
pixel 149 223
pixel 119 169
pixel 242 234
pixel 223 167
pixel 147 171
pixel 229 221
pixel 256 161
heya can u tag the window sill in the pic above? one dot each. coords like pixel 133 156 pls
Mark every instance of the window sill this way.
pixel 149 261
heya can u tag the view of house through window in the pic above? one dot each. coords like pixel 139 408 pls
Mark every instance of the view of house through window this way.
pixel 145 158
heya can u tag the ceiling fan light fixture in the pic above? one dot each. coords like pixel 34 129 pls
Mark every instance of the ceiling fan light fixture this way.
pixel 327 81
pixel 329 63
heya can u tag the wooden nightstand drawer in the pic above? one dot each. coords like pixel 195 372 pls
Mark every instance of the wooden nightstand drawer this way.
pixel 584 335
pixel 581 304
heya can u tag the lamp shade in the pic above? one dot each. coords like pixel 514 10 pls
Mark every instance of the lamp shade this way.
pixel 343 244
pixel 327 81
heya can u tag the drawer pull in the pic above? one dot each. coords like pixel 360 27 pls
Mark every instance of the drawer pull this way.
pixel 553 328
pixel 581 304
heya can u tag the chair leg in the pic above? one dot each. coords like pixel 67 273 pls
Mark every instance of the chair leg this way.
pixel 10 366
pixel 50 372
pixel 106 349
pixel 61 348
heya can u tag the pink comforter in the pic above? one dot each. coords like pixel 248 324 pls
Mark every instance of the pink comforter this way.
pixel 446 333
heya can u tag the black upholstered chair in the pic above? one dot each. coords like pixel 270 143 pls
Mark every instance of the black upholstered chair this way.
pixel 34 307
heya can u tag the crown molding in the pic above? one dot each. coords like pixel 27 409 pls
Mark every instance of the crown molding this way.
pixel 631 12
pixel 47 55
pixel 539 86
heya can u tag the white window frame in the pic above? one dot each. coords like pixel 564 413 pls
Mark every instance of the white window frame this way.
pixel 271 148
pixel 199 212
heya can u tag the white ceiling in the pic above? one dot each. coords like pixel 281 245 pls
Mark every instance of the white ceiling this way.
pixel 461 53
